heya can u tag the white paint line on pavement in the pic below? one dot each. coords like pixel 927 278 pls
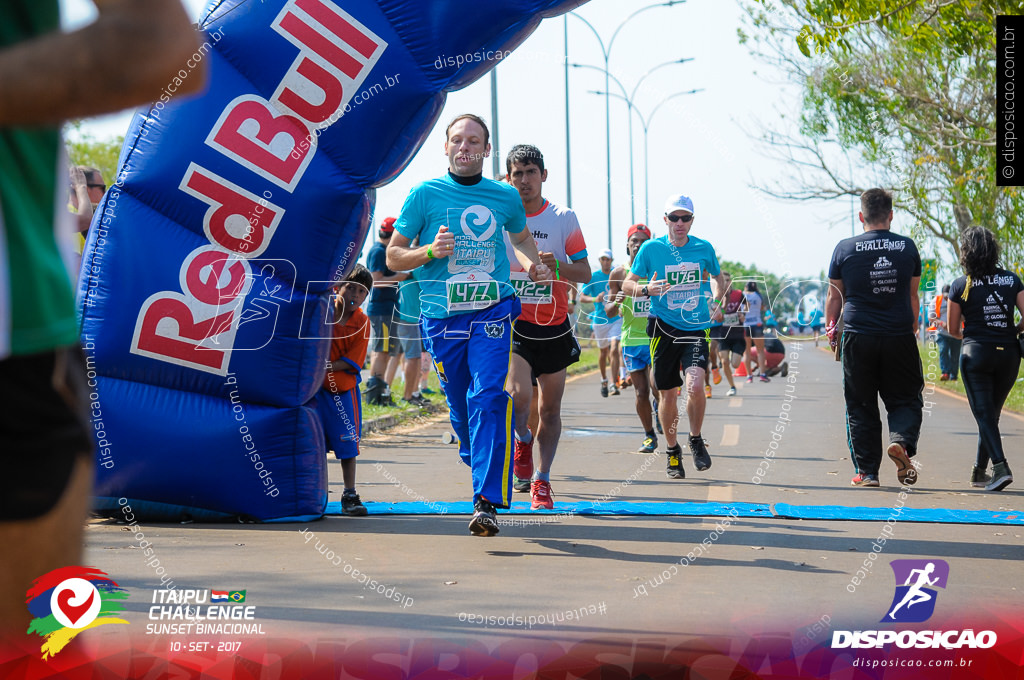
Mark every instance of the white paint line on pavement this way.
pixel 716 494
pixel 730 435
pixel 735 402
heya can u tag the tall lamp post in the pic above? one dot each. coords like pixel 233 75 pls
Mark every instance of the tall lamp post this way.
pixel 646 126
pixel 629 106
pixel 606 53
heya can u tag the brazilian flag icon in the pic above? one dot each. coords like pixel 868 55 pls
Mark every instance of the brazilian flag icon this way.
pixel 237 596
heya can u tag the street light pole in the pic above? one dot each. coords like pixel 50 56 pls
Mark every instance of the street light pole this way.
pixel 568 154
pixel 495 160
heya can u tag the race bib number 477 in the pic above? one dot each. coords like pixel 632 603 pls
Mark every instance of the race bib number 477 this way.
pixel 472 291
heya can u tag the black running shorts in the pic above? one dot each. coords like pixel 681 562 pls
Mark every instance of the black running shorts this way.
pixel 674 351
pixel 42 429
pixel 734 341
pixel 548 349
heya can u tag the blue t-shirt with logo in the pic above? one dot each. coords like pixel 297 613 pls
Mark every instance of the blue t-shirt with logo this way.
pixel 685 304
pixel 598 284
pixel 476 275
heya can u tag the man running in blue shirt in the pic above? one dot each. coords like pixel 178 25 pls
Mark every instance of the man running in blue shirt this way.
pixel 679 323
pixel 467 303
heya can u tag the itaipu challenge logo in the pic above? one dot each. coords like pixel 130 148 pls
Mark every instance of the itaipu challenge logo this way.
pixel 914 601
pixel 67 601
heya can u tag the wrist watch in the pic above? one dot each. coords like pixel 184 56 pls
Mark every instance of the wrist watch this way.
pixel 644 291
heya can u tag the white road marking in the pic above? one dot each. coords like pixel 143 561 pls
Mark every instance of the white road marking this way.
pixel 735 402
pixel 730 435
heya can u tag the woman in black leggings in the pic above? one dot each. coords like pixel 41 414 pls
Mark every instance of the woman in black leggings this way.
pixel 985 299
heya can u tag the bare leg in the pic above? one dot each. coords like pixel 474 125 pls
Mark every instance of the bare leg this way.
pixel 696 402
pixel 759 342
pixel 534 422
pixel 616 352
pixel 38 546
pixel 669 413
pixel 412 374
pixel 552 386
pixel 642 389
pixel 725 359
pixel 348 472
pixel 393 363
pixel 522 393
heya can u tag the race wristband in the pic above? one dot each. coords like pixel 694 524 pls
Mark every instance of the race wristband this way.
pixel 556 270
pixel 430 252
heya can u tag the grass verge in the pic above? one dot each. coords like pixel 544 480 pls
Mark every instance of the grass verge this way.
pixel 377 418
pixel 930 362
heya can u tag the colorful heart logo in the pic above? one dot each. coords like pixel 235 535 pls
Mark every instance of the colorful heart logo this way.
pixel 73 612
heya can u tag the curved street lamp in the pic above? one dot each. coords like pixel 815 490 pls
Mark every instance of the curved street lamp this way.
pixel 629 106
pixel 606 53
pixel 646 125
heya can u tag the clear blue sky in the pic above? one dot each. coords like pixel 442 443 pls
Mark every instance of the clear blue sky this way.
pixel 696 143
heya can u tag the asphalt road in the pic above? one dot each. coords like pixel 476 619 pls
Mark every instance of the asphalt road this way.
pixel 619 574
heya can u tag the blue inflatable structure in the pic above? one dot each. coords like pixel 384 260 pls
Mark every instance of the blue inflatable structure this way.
pixel 204 281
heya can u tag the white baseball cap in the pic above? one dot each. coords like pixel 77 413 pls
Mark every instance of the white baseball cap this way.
pixel 678 202
pixel 607 252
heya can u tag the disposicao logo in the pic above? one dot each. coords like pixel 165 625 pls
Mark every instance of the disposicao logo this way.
pixel 67 601
pixel 914 602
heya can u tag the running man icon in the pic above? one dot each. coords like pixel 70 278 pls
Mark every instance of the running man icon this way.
pixel 916 577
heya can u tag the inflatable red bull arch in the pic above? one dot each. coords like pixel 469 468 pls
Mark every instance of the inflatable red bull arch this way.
pixel 204 283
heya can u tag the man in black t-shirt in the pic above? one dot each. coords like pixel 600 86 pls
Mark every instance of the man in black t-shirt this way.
pixel 874 279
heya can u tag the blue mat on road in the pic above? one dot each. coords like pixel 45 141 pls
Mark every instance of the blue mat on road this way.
pixel 680 509
pixel 585 508
pixel 933 515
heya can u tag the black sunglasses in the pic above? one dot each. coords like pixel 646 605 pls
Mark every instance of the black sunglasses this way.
pixel 102 187
pixel 679 218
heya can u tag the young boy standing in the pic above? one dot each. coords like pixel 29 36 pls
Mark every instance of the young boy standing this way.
pixel 338 401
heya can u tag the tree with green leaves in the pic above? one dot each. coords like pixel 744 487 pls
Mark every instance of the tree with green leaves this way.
pixel 86 149
pixel 908 86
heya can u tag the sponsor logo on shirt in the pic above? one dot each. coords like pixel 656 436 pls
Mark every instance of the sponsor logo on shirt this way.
pixel 883 244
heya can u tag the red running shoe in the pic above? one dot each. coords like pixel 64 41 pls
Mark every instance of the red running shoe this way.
pixel 540 495
pixel 523 468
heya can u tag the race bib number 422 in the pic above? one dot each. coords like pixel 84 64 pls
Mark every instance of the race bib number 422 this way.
pixel 531 292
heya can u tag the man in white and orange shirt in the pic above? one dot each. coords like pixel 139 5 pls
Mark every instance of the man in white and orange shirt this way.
pixel 543 343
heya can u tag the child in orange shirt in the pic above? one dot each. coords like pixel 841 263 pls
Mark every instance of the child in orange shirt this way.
pixel 338 401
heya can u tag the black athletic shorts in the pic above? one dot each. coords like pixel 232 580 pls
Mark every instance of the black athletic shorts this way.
pixel 548 349
pixel 754 331
pixel 42 429
pixel 673 351
pixel 733 341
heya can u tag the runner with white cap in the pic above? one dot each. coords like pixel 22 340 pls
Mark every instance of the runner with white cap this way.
pixel 679 327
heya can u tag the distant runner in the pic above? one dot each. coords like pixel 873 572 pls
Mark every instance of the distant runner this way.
pixel 606 331
pixel 636 346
